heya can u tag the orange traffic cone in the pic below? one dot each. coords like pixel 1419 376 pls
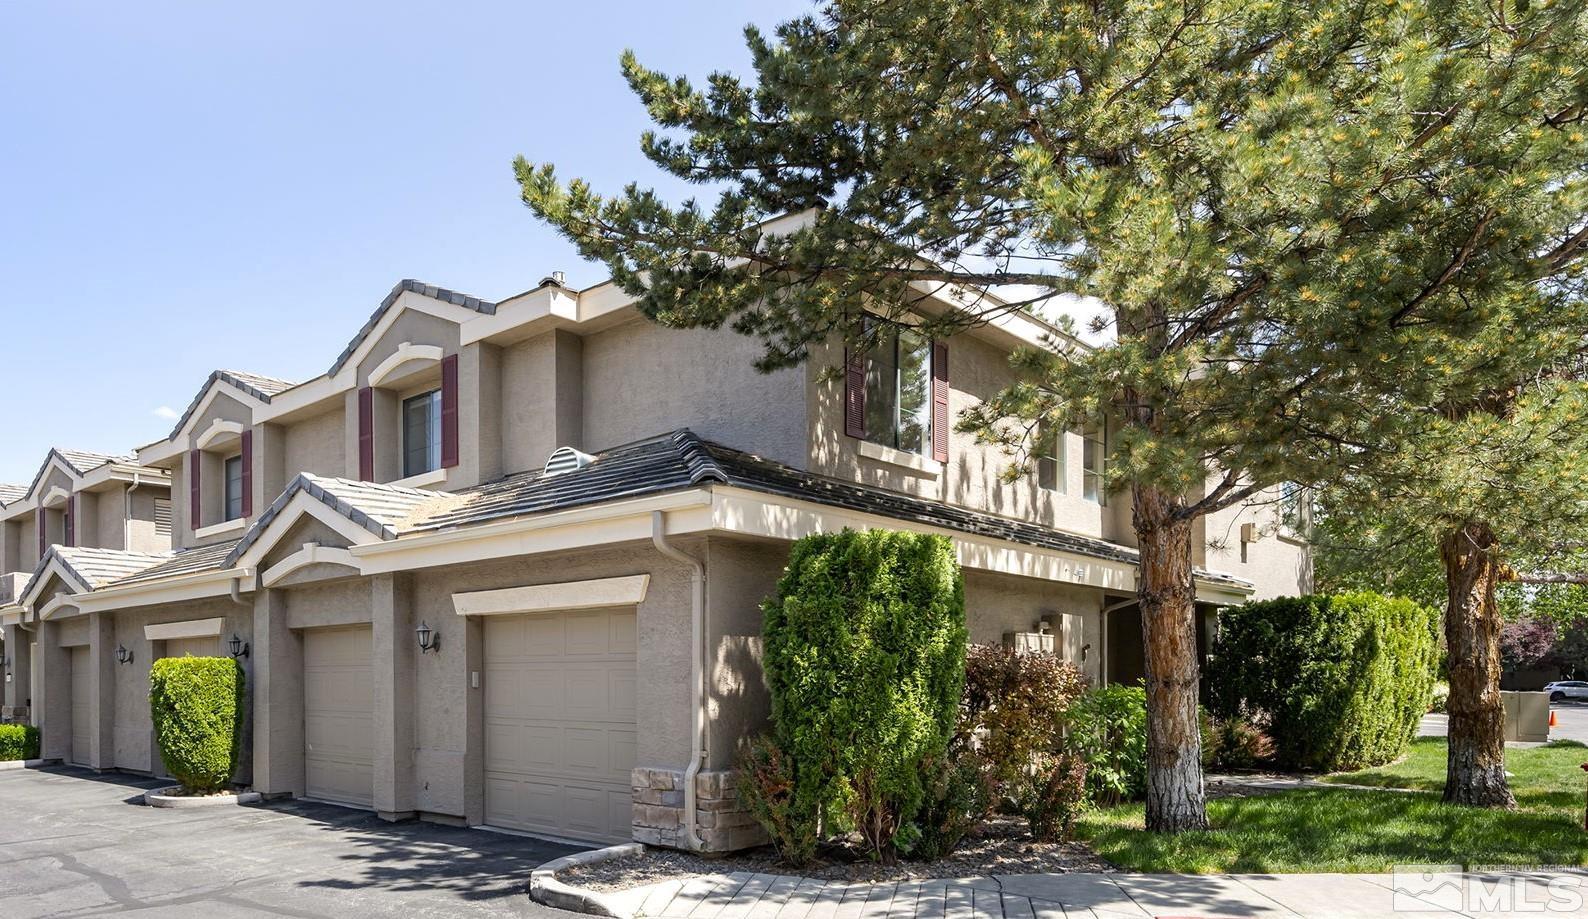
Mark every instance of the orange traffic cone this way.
pixel 1552 719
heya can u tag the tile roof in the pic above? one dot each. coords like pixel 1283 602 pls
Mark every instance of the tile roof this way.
pixel 9 493
pixel 97 567
pixel 80 461
pixel 253 384
pixel 418 287
pixel 186 561
pixel 380 509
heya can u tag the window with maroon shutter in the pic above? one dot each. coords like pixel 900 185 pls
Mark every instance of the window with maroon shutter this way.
pixel 366 434
pixel 940 402
pixel 854 392
pixel 71 521
pixel 248 473
pixel 195 497
pixel 449 411
pixel 40 522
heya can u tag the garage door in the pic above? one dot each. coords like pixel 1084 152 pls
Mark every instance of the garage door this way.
pixel 82 724
pixel 337 709
pixel 559 723
pixel 208 646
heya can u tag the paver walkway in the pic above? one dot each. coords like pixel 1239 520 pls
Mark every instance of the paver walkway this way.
pixel 1066 896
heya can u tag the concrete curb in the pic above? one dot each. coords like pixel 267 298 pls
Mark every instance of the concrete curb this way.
pixel 8 764
pixel 545 888
pixel 162 797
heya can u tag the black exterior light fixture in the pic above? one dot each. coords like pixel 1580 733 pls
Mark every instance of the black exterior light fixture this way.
pixel 428 639
pixel 239 648
pixel 123 655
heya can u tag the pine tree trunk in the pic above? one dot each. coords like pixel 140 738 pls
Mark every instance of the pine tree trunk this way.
pixel 1176 798
pixel 1475 770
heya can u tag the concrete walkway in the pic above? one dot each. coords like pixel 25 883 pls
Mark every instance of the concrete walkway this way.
pixel 1067 896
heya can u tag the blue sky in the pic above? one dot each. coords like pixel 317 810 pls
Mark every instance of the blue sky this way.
pixel 186 186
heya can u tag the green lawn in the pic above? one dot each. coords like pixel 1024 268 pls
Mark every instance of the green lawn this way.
pixel 1347 830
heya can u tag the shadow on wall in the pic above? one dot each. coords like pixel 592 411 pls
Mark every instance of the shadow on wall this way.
pixel 413 855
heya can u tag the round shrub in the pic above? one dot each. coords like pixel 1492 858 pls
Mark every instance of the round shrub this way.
pixel 1337 682
pixel 865 658
pixel 197 703
pixel 18 741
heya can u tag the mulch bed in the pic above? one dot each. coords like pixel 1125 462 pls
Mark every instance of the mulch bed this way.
pixel 1001 846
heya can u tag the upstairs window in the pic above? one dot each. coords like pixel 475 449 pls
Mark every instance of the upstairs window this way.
pixel 1293 507
pixel 1052 470
pixel 421 433
pixel 234 487
pixel 1094 457
pixel 899 389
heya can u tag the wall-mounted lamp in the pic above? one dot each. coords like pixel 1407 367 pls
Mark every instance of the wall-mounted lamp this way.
pixel 428 639
pixel 123 655
pixel 239 648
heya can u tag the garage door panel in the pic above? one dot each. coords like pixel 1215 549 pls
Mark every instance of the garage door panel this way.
pixel 338 727
pixel 559 723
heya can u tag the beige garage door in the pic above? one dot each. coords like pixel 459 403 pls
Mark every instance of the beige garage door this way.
pixel 82 725
pixel 337 707
pixel 209 646
pixel 559 723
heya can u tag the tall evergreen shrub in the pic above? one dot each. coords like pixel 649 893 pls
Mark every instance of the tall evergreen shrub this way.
pixel 197 705
pixel 1340 680
pixel 865 657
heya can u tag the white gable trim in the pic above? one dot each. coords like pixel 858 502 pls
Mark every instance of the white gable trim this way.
pixel 191 628
pixel 597 593
pixel 55 497
pixel 42 580
pixel 183 441
pixel 218 429
pixel 407 352
pixel 302 504
pixel 44 471
pixel 56 604
pixel 312 553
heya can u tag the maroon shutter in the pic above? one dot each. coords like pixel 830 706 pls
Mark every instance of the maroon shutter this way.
pixel 40 521
pixel 449 411
pixel 248 473
pixel 854 392
pixel 940 401
pixel 71 520
pixel 366 434
pixel 195 497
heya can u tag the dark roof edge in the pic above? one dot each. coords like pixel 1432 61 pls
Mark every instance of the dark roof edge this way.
pixel 409 285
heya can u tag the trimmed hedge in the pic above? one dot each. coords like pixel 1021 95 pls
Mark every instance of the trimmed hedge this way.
pixel 197 705
pixel 1338 682
pixel 18 741
pixel 865 658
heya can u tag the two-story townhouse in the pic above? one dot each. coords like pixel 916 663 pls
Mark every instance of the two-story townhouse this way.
pixel 502 563
pixel 86 518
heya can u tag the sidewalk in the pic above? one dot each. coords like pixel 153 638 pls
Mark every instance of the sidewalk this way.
pixel 1067 896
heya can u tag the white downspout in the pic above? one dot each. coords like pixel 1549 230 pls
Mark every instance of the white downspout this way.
pixel 697 627
pixel 126 513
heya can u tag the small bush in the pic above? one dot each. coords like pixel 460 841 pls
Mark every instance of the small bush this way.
pixel 959 793
pixel 1108 730
pixel 865 659
pixel 1235 743
pixel 197 703
pixel 1440 700
pixel 1339 682
pixel 1057 795
pixel 18 741
pixel 766 787
pixel 1015 705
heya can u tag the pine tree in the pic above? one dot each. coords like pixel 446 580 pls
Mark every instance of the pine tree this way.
pixel 1300 217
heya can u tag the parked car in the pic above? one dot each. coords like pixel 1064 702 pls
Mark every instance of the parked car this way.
pixel 1567 689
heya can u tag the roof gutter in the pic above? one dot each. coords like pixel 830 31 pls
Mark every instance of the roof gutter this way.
pixel 697 700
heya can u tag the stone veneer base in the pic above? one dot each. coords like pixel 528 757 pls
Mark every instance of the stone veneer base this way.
pixel 721 821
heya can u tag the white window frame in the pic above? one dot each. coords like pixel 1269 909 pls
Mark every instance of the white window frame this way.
pixel 433 420
pixel 226 488
pixel 890 439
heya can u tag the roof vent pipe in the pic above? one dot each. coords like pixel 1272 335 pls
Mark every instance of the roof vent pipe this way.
pixel 556 278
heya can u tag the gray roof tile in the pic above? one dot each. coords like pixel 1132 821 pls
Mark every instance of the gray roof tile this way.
pixel 380 509
pixel 186 561
pixel 81 462
pixel 10 493
pixel 253 384
pixel 97 567
pixel 418 287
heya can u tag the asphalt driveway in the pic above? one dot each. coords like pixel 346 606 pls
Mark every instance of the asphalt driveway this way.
pixel 75 844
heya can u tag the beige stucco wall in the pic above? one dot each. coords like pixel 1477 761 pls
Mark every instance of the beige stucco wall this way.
pixel 314 445
pixel 223 407
pixel 641 379
pixel 974 476
pixel 541 398
pixel 1279 563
